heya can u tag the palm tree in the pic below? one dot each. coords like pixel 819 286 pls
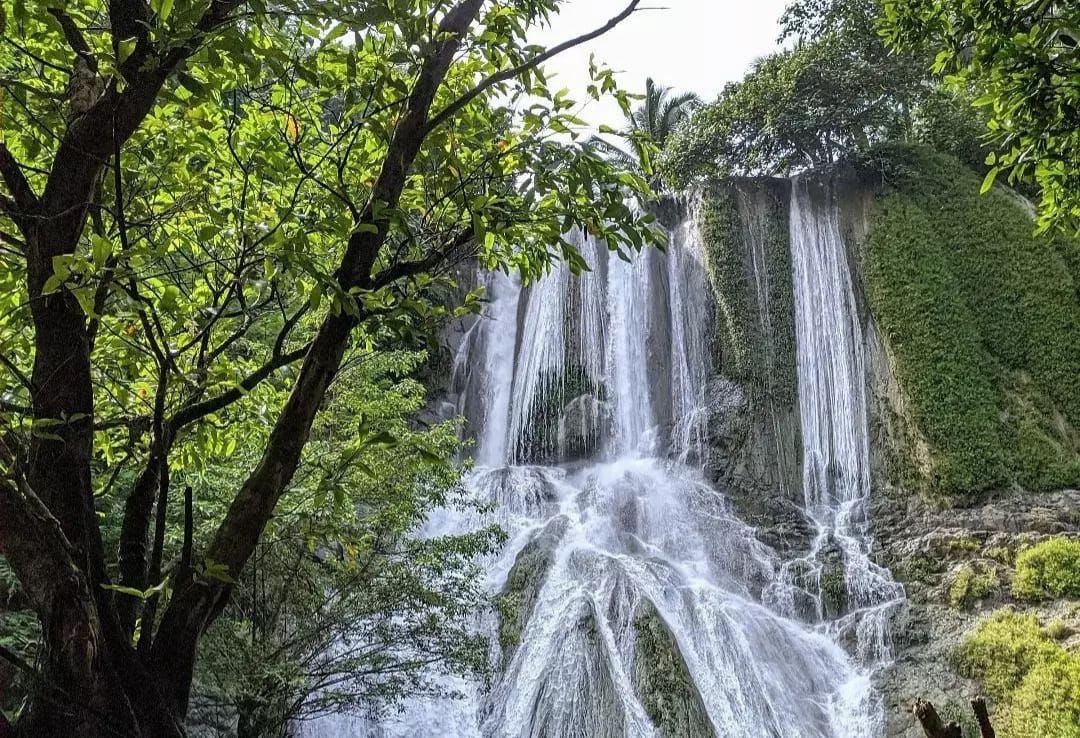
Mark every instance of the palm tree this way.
pixel 650 124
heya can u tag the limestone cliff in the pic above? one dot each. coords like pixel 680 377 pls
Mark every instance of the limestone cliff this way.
pixel 973 364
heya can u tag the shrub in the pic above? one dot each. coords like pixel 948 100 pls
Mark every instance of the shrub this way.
pixel 1048 701
pixel 1003 649
pixel 971 584
pixel 1035 682
pixel 1049 569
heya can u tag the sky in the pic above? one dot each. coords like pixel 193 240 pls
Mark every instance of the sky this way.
pixel 693 45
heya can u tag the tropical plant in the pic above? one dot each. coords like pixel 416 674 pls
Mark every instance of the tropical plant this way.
pixel 649 126
pixel 834 92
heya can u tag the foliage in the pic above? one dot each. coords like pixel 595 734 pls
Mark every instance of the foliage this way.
pixel 648 129
pixel 20 637
pixel 1035 682
pixel 1048 701
pixel 1003 649
pixel 1048 570
pixel 836 92
pixel 1022 59
pixel 971 583
pixel 347 613
pixel 945 121
pixel 227 229
pixel 991 379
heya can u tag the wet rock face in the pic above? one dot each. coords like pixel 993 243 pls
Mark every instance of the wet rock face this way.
pixel 956 568
pixel 753 426
pixel 515 603
pixel 581 426
pixel 742 462
pixel 662 681
pixel 834 595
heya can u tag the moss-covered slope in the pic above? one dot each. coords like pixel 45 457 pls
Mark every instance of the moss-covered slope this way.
pixel 984 321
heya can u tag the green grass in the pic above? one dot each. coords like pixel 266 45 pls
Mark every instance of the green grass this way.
pixel 984 321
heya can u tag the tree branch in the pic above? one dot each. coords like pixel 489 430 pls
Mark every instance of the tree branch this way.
pixel 32 540
pixel 982 716
pixel 23 201
pixel 507 74
pixel 75 38
pixel 406 269
pixel 199 410
pixel 197 602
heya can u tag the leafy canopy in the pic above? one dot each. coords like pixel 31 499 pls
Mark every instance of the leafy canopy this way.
pixel 836 91
pixel 1022 59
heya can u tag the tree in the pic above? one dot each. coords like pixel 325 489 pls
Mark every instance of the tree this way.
pixel 1022 59
pixel 799 108
pixel 838 90
pixel 649 127
pixel 213 212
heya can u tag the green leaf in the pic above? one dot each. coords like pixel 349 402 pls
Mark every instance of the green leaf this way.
pixel 102 249
pixel 190 84
pixel 126 47
pixel 988 181
pixel 170 298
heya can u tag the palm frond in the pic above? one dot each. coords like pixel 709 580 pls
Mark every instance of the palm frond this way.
pixel 612 152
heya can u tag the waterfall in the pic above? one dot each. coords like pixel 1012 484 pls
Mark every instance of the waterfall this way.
pixel 625 572
pixel 500 337
pixel 835 435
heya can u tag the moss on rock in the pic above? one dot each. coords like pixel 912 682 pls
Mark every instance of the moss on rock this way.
pixel 1035 681
pixel 662 680
pixel 745 229
pixel 984 320
pixel 972 583
pixel 514 605
pixel 1049 569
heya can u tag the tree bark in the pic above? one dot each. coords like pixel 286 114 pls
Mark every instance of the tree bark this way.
pixel 982 716
pixel 933 726
pixel 97 684
pixel 93 683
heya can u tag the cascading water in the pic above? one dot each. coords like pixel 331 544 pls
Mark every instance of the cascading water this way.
pixel 631 599
pixel 835 435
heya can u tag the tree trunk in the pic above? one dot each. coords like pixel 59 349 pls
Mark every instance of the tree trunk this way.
pixel 933 726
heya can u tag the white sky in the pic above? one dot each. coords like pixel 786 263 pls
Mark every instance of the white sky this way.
pixel 692 45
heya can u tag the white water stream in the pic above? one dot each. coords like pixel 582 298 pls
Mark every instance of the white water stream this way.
pixel 587 398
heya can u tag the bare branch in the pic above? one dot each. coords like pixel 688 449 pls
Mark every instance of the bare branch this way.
pixel 982 715
pixel 508 74
pixel 931 722
pixel 405 269
pixel 199 410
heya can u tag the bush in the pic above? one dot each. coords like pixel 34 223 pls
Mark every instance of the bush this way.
pixel 1035 682
pixel 1048 702
pixel 1003 649
pixel 971 584
pixel 1049 569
